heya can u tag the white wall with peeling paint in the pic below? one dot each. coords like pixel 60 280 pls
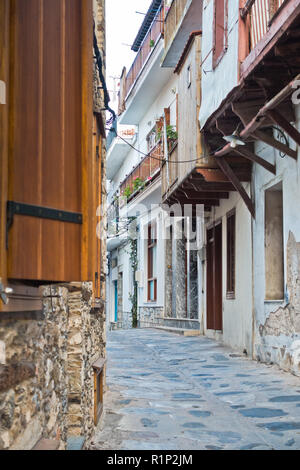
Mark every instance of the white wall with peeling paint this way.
pixel 278 347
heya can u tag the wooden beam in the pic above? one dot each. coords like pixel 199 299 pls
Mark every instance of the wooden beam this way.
pixel 246 10
pixel 236 183
pixel 199 184
pixel 278 119
pixel 204 194
pixel 255 158
pixel 268 112
pixel 219 176
pixel 187 201
pixel 267 139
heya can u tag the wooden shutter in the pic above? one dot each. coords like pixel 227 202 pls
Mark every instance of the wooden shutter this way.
pixel 50 137
pixel 220 29
pixel 4 77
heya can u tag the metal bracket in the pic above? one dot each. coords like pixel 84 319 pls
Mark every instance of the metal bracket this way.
pixel 18 208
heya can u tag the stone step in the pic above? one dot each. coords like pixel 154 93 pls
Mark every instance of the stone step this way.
pixel 182 323
pixel 75 442
pixel 179 331
pixel 46 444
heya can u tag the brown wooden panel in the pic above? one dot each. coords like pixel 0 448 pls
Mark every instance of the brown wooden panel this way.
pixel 53 165
pixel 4 76
pixel 46 137
pixel 25 149
pixel 24 261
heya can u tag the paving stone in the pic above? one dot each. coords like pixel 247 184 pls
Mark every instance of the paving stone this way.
pixel 262 413
pixel 285 399
pixel 281 426
pixel 173 392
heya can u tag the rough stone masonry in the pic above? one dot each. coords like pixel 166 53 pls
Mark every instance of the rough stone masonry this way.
pixel 47 382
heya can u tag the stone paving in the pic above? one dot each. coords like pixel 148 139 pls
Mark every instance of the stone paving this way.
pixel 168 392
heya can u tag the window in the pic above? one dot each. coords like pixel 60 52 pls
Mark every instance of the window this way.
pixel 220 30
pixel 231 255
pixel 152 139
pixel 189 76
pixel 152 270
pixel 274 264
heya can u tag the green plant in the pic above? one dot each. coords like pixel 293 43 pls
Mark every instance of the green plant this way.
pixel 171 133
pixel 137 183
pixel 152 43
pixel 127 192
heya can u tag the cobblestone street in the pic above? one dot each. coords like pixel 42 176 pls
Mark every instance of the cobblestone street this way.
pixel 168 392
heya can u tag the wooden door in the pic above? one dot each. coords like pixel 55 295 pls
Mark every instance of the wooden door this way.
pixel 214 303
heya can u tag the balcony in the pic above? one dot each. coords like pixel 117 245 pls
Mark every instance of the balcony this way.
pixel 142 175
pixel 182 17
pixel 261 12
pixel 268 23
pixel 117 147
pixel 155 32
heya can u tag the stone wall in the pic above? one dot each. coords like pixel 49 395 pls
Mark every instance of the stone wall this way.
pixel 36 406
pixel 46 382
pixel 86 344
pixel 150 316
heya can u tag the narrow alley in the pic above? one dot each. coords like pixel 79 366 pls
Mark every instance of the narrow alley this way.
pixel 171 392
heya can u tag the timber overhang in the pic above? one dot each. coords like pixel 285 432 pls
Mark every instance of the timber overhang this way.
pixel 268 77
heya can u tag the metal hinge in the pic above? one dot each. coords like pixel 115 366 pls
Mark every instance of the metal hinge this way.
pixel 40 212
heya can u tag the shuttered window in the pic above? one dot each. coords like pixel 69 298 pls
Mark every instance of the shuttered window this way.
pixel 220 30
pixel 231 255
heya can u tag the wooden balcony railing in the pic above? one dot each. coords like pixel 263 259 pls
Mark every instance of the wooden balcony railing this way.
pixel 144 171
pixel 173 15
pixel 170 171
pixel 154 33
pixel 261 14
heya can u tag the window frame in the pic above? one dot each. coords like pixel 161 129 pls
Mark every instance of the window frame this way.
pixel 230 255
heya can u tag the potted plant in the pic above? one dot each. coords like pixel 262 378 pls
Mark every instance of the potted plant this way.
pixel 137 183
pixel 127 192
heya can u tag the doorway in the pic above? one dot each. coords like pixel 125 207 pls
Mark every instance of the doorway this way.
pixel 214 304
pixel 116 301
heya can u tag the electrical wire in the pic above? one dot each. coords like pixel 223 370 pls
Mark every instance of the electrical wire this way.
pixel 157 158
